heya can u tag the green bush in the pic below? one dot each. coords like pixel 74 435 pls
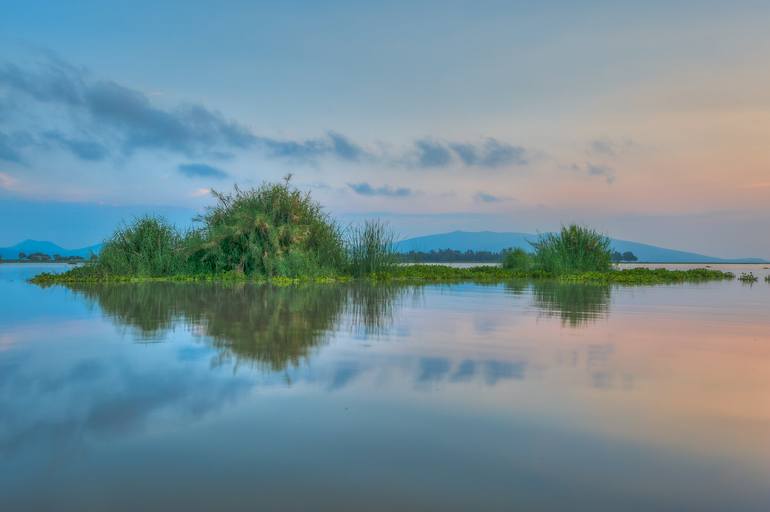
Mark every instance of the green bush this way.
pixel 273 230
pixel 517 259
pixel 149 246
pixel 370 249
pixel 573 249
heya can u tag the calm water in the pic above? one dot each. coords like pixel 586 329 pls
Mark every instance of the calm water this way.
pixel 464 397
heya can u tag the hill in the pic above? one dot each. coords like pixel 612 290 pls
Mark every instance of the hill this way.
pixel 495 242
pixel 45 247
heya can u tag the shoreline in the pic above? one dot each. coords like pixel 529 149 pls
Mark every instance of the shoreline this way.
pixel 418 274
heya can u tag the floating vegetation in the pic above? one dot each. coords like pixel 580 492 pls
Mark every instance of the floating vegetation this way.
pixel 748 277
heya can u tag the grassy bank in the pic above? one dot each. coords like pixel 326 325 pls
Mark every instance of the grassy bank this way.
pixel 412 274
pixel 277 234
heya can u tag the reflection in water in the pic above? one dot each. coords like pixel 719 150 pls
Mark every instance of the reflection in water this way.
pixel 669 407
pixel 576 304
pixel 272 326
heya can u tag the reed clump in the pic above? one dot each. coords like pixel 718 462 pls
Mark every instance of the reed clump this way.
pixel 148 247
pixel 370 249
pixel 573 249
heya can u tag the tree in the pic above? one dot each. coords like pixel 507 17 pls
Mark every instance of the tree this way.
pixel 22 256
pixel 629 256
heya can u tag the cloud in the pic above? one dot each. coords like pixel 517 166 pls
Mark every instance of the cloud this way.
pixel 365 189
pixel 432 154
pixel 195 170
pixel 122 121
pixel 484 197
pixel 310 150
pixel 10 145
pixel 492 153
pixel 596 170
pixel 610 147
pixel 123 113
pixel 81 148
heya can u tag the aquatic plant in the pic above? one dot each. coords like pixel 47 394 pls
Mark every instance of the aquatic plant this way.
pixel 748 277
pixel 573 249
pixel 149 246
pixel 517 259
pixel 273 230
pixel 369 249
pixel 767 278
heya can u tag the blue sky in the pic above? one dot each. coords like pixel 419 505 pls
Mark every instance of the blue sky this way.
pixel 646 120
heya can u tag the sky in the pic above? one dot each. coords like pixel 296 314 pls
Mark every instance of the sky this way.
pixel 649 121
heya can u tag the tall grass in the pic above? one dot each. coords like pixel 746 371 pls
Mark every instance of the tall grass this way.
pixel 149 246
pixel 574 249
pixel 370 248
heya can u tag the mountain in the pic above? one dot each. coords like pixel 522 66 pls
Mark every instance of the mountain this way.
pixel 49 248
pixel 495 242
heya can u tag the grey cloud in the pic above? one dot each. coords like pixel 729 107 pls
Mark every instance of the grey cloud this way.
pixel 492 153
pixel 124 120
pixel 309 150
pixel 189 129
pixel 11 143
pixel 57 83
pixel 7 150
pixel 432 154
pixel 608 173
pixel 195 170
pixel 485 197
pixel 81 148
pixel 365 189
pixel 610 147
pixel 127 114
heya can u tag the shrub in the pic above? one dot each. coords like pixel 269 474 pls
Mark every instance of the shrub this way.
pixel 273 230
pixel 149 246
pixel 573 249
pixel 370 248
pixel 517 259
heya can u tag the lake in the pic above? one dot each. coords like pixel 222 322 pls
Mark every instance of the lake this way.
pixel 517 396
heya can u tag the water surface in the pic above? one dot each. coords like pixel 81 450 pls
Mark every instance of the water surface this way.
pixel 464 397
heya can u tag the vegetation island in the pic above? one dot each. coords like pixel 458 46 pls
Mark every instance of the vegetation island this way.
pixel 276 233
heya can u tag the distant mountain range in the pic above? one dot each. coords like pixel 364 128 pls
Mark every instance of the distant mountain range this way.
pixel 495 242
pixel 49 248
pixel 456 240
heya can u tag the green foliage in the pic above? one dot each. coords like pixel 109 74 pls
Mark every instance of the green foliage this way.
pixel 370 249
pixel 149 246
pixel 273 230
pixel 574 249
pixel 517 259
pixel 627 256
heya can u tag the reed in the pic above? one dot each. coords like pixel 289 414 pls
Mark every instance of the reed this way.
pixel 574 249
pixel 370 249
pixel 149 246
